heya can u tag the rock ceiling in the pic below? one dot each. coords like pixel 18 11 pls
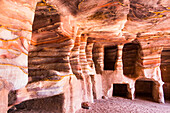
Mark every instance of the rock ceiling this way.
pixel 118 21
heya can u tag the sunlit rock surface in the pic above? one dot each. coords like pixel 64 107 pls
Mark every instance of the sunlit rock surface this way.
pixel 80 49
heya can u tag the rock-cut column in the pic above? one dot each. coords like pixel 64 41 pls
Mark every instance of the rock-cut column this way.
pixel 89 55
pixel 95 78
pixel 98 56
pixel 75 60
pixel 86 69
pixel 119 62
pixel 119 73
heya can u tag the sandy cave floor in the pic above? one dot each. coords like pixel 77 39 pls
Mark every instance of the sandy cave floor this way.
pixel 116 105
pixel 123 105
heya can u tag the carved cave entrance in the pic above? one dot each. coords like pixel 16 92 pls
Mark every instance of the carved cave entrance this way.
pixel 120 90
pixel 130 54
pixel 144 89
pixel 110 56
pixel 165 71
pixel 54 103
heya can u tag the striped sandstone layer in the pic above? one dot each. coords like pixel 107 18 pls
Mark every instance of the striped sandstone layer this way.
pixel 68 51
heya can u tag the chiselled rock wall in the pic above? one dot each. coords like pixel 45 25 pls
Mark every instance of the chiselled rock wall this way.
pixel 15 35
pixel 79 49
pixel 165 71
pixel 16 30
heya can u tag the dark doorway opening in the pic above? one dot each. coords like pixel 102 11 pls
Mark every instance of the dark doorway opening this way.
pixel 130 54
pixel 48 104
pixel 165 71
pixel 120 90
pixel 110 56
pixel 143 89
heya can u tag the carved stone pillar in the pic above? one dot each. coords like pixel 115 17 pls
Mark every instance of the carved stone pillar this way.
pixel 89 55
pixel 119 73
pixel 131 91
pixel 119 62
pixel 86 68
pixel 98 56
pixel 158 93
pixel 95 78
pixel 75 59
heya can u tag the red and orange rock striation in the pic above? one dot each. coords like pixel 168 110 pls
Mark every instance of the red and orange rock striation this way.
pixel 78 49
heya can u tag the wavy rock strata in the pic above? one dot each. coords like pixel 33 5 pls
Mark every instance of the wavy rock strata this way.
pixel 78 49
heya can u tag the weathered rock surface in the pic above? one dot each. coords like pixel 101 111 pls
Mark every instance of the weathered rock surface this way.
pixel 80 48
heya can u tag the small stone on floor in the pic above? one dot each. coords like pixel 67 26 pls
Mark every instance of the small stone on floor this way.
pixel 85 105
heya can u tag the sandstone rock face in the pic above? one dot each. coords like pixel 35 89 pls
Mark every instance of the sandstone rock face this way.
pixel 79 49
pixel 15 32
pixel 15 35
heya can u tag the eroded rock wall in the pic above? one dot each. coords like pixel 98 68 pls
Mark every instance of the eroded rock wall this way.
pixel 165 71
pixel 68 52
pixel 15 35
